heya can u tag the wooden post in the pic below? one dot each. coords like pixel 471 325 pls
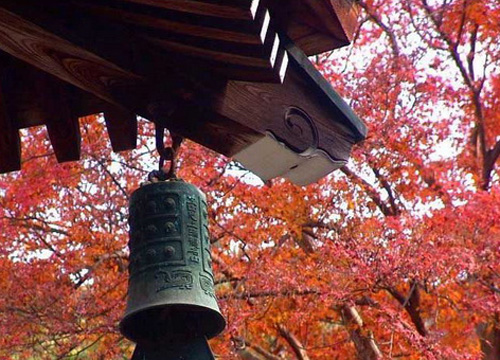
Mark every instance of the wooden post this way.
pixel 10 144
pixel 122 128
pixel 62 124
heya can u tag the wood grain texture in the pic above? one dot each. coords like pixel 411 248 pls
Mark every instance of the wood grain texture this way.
pixel 24 85
pixel 316 26
pixel 59 57
pixel 274 101
pixel 205 27
pixel 304 112
pixel 125 71
pixel 224 9
pixel 122 128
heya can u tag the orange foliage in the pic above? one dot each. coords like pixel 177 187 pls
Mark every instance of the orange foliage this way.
pixel 395 256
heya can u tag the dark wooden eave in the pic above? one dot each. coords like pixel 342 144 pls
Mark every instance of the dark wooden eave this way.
pixel 221 72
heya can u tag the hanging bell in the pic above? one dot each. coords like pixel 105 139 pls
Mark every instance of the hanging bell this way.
pixel 171 299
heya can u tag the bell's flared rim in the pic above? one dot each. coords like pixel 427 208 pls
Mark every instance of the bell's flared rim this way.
pixel 212 322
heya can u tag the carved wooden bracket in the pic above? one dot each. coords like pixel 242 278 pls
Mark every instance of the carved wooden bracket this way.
pixel 236 80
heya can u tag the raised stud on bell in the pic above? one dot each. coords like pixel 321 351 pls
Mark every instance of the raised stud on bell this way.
pixel 171 303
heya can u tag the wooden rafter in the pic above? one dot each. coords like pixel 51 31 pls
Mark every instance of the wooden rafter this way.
pixel 10 144
pixel 225 92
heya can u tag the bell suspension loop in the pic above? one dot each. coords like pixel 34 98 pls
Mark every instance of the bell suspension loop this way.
pixel 166 154
pixel 171 308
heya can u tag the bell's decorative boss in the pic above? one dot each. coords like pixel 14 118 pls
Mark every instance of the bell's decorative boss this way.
pixel 171 297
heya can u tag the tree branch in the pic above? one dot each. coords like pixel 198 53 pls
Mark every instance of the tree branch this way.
pixel 294 342
pixel 377 20
pixel 370 191
pixel 385 184
pixel 492 156
pixel 411 304
pixel 271 293
pixel 366 347
pixel 244 343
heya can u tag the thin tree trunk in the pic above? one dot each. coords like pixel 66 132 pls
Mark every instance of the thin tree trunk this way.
pixel 366 347
pixel 294 342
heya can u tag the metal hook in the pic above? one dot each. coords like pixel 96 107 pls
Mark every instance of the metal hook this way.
pixel 166 154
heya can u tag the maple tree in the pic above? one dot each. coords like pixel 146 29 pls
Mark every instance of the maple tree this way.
pixel 394 256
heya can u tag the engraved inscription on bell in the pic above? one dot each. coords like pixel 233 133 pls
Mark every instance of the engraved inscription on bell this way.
pixel 171 283
pixel 174 279
pixel 193 229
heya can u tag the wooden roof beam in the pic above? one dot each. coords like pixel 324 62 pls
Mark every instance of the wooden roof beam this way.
pixel 24 87
pixel 226 115
pixel 122 128
pixel 59 57
pixel 231 9
pixel 62 123
pixel 10 144
pixel 249 42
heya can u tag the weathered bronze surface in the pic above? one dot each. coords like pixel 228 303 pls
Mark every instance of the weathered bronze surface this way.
pixel 171 297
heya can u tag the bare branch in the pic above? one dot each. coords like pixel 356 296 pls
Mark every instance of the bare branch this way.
pixel 385 184
pixel 377 20
pixel 294 342
pixel 370 191
pixel 492 156
pixel 411 304
pixel 242 343
pixel 366 347
pixel 271 293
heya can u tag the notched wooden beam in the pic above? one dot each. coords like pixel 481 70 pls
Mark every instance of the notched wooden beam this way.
pixel 62 124
pixel 304 113
pixel 122 128
pixel 10 143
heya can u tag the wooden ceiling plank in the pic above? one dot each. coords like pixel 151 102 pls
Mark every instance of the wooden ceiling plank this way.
pixel 122 128
pixel 323 13
pixel 210 28
pixel 10 143
pixel 213 55
pixel 230 9
pixel 251 51
pixel 50 53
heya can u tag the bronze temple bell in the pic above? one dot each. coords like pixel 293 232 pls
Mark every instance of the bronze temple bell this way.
pixel 171 306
